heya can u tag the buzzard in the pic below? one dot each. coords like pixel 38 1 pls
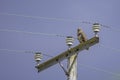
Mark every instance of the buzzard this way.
pixel 81 36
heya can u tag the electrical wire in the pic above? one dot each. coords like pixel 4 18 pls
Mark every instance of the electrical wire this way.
pixel 46 34
pixel 46 18
pixel 33 33
pixel 109 27
pixel 54 19
pixel 87 66
pixel 23 51
pixel 110 48
pixel 57 19
pixel 101 70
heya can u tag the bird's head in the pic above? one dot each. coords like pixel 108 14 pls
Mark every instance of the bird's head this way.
pixel 79 30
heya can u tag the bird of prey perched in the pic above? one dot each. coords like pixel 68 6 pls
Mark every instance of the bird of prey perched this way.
pixel 81 36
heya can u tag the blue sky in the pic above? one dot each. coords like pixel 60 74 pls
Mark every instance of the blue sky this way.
pixel 61 17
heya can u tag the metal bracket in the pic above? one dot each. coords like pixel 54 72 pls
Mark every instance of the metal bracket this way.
pixel 66 72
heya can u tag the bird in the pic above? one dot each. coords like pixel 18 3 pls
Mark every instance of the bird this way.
pixel 81 36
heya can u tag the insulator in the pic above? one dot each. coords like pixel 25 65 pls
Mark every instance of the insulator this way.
pixel 69 40
pixel 96 27
pixel 38 57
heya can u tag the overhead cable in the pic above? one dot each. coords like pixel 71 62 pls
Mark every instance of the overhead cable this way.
pixel 87 66
pixel 101 70
pixel 110 48
pixel 23 51
pixel 46 18
pixel 46 34
pixel 33 33
pixel 56 19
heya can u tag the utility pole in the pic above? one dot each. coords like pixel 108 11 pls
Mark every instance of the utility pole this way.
pixel 71 54
pixel 72 67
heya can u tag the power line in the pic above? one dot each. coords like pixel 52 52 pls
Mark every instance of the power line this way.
pixel 54 19
pixel 101 70
pixel 46 34
pixel 33 33
pixel 110 48
pixel 57 19
pixel 46 18
pixel 109 27
pixel 23 51
pixel 87 66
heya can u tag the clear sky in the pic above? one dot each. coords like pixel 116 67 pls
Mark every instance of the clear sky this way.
pixel 61 17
